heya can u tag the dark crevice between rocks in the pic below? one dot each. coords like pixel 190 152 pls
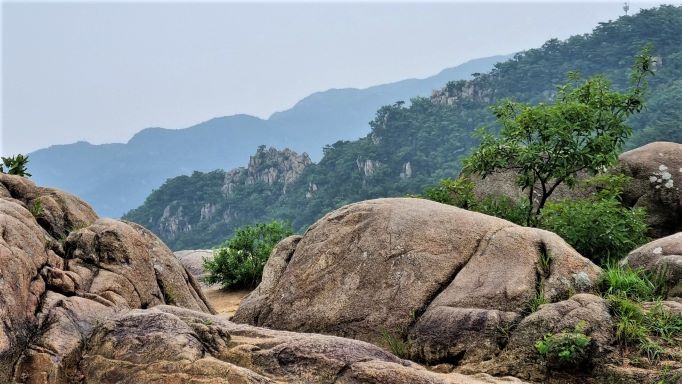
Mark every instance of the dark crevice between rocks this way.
pixel 450 359
pixel 168 295
pixel 481 245
pixel 545 261
pixel 196 291
pixel 503 333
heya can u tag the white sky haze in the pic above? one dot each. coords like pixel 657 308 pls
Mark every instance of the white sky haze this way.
pixel 102 71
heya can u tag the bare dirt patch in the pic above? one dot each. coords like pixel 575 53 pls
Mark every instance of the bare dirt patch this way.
pixel 225 302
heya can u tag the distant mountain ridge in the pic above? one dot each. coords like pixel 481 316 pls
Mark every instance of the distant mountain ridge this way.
pixel 117 177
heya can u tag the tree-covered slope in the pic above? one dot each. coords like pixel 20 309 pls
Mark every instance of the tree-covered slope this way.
pixel 117 177
pixel 413 146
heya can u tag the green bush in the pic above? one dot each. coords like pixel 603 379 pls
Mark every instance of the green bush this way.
pixel 566 350
pixel 239 262
pixel 504 208
pixel 663 323
pixel 600 229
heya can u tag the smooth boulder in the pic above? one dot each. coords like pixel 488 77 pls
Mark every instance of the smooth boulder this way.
pixel 437 276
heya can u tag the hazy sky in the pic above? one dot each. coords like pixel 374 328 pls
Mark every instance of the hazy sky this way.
pixel 102 71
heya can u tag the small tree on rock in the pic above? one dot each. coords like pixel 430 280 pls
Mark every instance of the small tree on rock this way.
pixel 583 130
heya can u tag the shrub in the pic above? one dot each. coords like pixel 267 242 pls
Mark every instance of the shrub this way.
pixel 239 262
pixel 36 208
pixel 566 349
pixel 598 228
pixel 504 208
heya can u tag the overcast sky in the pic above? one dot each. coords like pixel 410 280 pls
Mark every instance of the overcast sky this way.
pixel 102 71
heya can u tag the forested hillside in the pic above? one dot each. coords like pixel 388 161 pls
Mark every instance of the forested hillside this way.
pixel 115 178
pixel 413 145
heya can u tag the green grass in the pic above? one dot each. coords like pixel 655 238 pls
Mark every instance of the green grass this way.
pixel 37 208
pixel 396 345
pixel 534 304
pixel 635 284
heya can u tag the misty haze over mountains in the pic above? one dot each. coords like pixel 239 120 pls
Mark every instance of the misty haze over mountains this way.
pixel 117 177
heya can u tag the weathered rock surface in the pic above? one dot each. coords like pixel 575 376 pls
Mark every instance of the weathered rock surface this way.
pixel 174 345
pixel 441 277
pixel 193 261
pixel 589 313
pixel 662 257
pixel 657 172
pixel 54 286
pixel 92 308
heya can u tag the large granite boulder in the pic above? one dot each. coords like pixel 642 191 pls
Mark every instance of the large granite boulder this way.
pixel 657 172
pixel 441 278
pixel 661 257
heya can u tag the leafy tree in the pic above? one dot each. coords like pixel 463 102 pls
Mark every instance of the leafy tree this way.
pixel 239 262
pixel 549 144
pixel 16 165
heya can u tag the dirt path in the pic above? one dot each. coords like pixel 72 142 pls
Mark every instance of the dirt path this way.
pixel 225 302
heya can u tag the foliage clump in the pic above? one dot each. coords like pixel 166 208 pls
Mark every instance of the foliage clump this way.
pixel 396 345
pixel 15 165
pixel 647 329
pixel 598 227
pixel 634 284
pixel 566 350
pixel 239 261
